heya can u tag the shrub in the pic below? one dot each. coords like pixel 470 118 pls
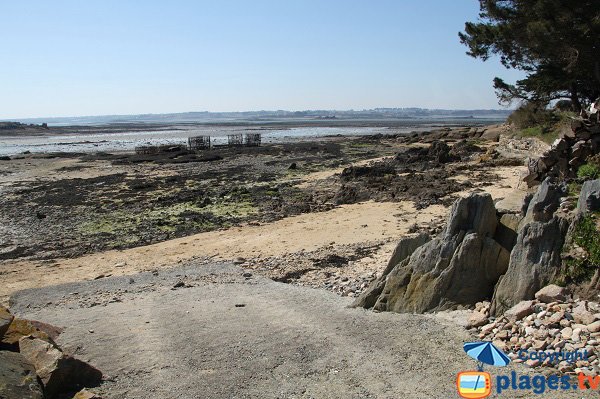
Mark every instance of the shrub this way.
pixel 588 171
pixel 587 236
pixel 533 115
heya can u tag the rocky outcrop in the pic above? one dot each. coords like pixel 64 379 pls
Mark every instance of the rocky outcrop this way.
pixel 567 153
pixel 535 259
pixel 589 198
pixel 403 250
pixel 460 267
pixel 18 378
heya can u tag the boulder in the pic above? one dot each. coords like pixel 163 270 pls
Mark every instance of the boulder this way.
pixel 17 378
pixel 439 151
pixel 20 328
pixel 493 133
pixel 477 319
pixel 582 315
pixel 459 267
pixel 589 198
pixel 5 319
pixel 552 293
pixel 403 250
pixel 520 310
pixel 57 371
pixel 534 262
pixel 85 394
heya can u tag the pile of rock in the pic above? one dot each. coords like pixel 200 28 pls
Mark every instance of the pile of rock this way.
pixel 567 153
pixel 552 323
pixel 32 366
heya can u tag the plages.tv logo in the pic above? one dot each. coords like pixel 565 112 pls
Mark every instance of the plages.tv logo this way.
pixel 478 384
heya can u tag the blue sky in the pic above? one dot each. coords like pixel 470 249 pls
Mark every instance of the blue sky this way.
pixel 71 58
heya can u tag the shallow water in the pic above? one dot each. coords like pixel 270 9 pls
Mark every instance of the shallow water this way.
pixel 111 142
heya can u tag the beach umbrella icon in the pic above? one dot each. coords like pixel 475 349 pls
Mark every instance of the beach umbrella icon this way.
pixel 486 352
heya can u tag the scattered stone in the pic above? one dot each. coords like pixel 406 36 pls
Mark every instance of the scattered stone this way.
pixel 239 261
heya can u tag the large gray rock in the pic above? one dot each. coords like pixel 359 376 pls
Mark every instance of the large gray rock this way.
pixel 535 259
pixel 589 198
pixel 17 378
pixel 460 267
pixel 57 371
pixel 544 202
pixel 534 262
pixel 403 250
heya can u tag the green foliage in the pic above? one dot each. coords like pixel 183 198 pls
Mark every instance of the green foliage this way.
pixel 587 236
pixel 588 172
pixel 553 42
pixel 531 115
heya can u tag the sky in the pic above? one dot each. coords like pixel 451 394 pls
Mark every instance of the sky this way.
pixel 105 57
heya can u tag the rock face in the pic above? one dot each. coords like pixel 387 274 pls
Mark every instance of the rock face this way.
pixel 589 198
pixel 18 378
pixel 5 319
pixel 404 249
pixel 535 259
pixel 57 371
pixel 460 267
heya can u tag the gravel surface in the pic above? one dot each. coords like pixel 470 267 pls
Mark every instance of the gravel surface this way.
pixel 217 331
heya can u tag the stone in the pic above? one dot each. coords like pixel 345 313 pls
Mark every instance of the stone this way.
pixel 566 333
pixel 5 319
pixel 477 319
pixel 458 268
pixel 519 311
pixel 589 197
pixel 20 328
pixel 534 262
pixel 576 336
pixel 594 327
pixel 405 248
pixel 85 394
pixel 582 316
pixel 18 379
pixel 551 293
pixel 58 372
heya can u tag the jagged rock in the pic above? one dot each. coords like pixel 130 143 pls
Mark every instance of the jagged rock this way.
pixel 589 198
pixel 552 293
pixel 544 202
pixel 534 262
pixel 460 266
pixel 403 250
pixel 18 379
pixel 520 310
pixel 57 371
pixel 5 319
